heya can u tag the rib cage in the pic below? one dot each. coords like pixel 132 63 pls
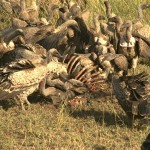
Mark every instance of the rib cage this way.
pixel 88 74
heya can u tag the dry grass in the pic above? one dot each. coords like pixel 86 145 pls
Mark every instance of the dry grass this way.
pixel 101 125
pixel 98 126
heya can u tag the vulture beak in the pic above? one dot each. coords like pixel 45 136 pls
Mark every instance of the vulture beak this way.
pixel 101 17
pixel 58 55
pixel 76 28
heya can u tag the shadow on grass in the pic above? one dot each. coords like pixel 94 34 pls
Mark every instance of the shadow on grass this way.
pixel 6 104
pixel 97 147
pixel 38 98
pixel 103 117
pixel 33 99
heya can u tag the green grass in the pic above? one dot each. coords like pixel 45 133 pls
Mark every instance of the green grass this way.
pixel 103 124
pixel 98 126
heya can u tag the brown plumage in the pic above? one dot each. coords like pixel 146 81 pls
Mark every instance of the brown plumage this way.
pixel 101 41
pixel 18 23
pixel 12 35
pixel 146 143
pixel 144 48
pixel 141 7
pixel 6 40
pixel 64 15
pixel 133 94
pixel 80 17
pixel 51 9
pixel 60 92
pixel 16 80
pixel 108 9
pixel 144 30
pixel 53 87
pixel 113 63
pixel 78 77
pixel 27 14
pixel 115 30
pixel 22 70
pixel 109 27
pixel 128 46
pixel 62 38
pixel 37 33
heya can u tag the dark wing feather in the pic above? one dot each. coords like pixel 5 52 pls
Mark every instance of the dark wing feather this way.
pixel 53 40
pixel 19 64
pixel 134 97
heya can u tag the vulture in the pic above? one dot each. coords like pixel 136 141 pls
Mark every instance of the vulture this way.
pixel 129 46
pixel 101 42
pixel 115 33
pixel 51 9
pixel 18 23
pixel 64 15
pixel 109 27
pixel 113 63
pixel 108 7
pixel 11 35
pixel 63 38
pixel 66 85
pixel 19 76
pixel 86 37
pixel 21 71
pixel 37 33
pixel 61 91
pixel 144 30
pixel 138 24
pixel 27 14
pixel 133 94
pixel 6 40
pixel 133 41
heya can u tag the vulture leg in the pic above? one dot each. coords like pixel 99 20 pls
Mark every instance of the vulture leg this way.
pixel 134 64
pixel 23 100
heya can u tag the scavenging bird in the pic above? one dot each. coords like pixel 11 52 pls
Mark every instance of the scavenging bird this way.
pixel 21 71
pixel 133 94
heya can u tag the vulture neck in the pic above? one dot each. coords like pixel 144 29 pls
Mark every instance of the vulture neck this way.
pixel 118 26
pixel 96 24
pixel 23 5
pixel 108 9
pixel 128 33
pixel 11 36
pixel 140 12
pixel 34 5
pixel 120 95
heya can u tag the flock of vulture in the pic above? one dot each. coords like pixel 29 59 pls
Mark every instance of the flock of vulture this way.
pixel 67 59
